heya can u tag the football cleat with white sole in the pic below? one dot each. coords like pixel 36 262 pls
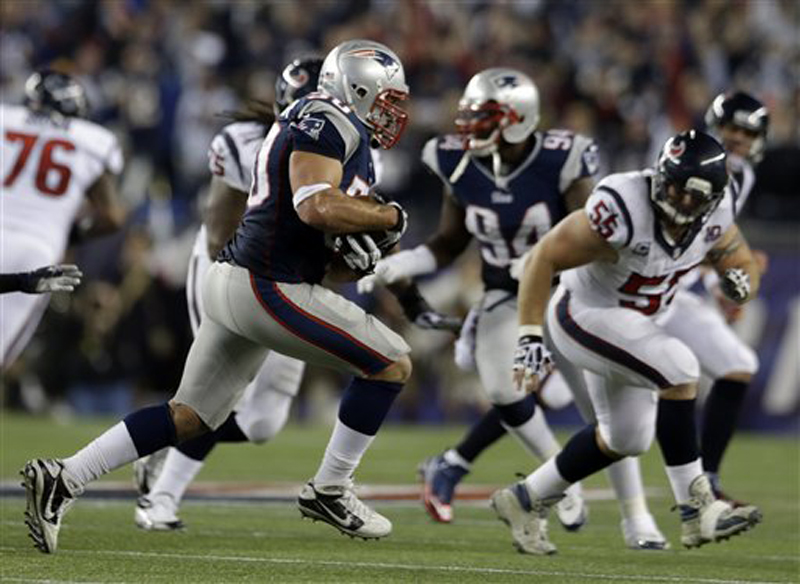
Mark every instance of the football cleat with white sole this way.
pixel 157 512
pixel 526 517
pixel 642 533
pixel 338 506
pixel 572 510
pixel 439 480
pixel 147 469
pixel 50 492
pixel 704 518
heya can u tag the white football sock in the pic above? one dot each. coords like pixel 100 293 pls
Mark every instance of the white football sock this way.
pixel 344 452
pixel 546 481
pixel 177 473
pixel 680 477
pixel 111 450
pixel 453 457
pixel 625 477
pixel 536 436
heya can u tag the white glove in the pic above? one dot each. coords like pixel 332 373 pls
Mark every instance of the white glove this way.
pixel 61 278
pixel 532 362
pixel 359 251
pixel 404 264
pixel 735 284
pixel 518 265
pixel 436 321
pixel 465 345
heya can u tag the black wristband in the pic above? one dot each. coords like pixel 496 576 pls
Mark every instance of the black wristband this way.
pixel 17 283
pixel 411 301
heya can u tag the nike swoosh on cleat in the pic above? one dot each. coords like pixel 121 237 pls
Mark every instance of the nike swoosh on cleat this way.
pixel 348 522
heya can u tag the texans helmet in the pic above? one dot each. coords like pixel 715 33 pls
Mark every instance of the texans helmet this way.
pixel 740 110
pixel 694 163
pixel 49 92
pixel 369 78
pixel 497 102
pixel 299 78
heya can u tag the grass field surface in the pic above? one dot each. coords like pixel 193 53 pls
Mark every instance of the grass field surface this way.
pixel 263 541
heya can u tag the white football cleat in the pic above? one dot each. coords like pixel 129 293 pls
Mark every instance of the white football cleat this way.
pixel 526 517
pixel 337 505
pixel 704 518
pixel 642 533
pixel 572 511
pixel 157 512
pixel 50 492
pixel 147 469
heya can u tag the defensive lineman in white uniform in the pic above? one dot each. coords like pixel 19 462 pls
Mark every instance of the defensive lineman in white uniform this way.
pixel 53 163
pixel 637 235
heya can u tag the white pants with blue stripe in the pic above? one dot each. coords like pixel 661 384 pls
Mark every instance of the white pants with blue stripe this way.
pixel 246 316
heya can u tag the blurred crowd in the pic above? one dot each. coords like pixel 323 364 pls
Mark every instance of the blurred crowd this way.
pixel 160 74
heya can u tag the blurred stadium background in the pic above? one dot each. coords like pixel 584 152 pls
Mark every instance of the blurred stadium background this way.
pixel 159 73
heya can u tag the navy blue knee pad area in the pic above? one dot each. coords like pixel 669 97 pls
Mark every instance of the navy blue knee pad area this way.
pixel 199 448
pixel 519 412
pixel 365 404
pixel 151 429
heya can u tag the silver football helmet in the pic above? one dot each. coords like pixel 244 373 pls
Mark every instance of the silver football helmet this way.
pixel 497 102
pixel 369 78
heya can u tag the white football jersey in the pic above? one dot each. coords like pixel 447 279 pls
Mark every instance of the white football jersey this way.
pixel 233 153
pixel 47 167
pixel 648 269
pixel 743 177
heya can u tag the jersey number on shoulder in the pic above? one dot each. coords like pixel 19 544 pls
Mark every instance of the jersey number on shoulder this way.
pixel 558 140
pixel 496 250
pixel 603 219
pixel 650 291
pixel 52 178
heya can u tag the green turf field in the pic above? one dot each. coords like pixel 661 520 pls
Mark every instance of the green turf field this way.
pixel 267 542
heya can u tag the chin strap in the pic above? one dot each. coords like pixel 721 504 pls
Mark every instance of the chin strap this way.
pixel 460 167
pixel 500 181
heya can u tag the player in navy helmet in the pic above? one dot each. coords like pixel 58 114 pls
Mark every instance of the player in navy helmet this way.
pixel 50 91
pixel 740 122
pixel 689 182
pixel 264 292
pixel 59 187
pixel 621 259
pixel 298 78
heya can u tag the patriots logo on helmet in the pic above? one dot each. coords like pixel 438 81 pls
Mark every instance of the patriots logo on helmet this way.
pixel 506 81
pixel 387 61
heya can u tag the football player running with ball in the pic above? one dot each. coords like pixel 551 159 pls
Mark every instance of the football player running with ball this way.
pixel 263 293
pixel 163 477
pixel 621 259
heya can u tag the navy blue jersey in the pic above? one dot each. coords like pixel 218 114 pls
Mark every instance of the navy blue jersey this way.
pixel 507 215
pixel 272 242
